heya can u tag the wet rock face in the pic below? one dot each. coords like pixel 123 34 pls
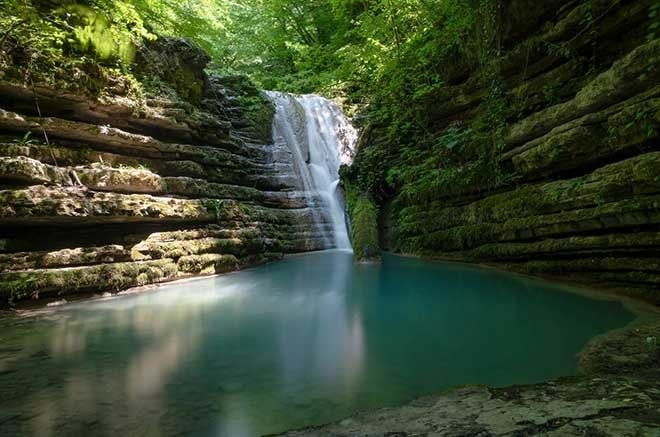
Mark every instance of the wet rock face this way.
pixel 580 147
pixel 189 185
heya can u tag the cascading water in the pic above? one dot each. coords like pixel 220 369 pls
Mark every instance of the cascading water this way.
pixel 320 139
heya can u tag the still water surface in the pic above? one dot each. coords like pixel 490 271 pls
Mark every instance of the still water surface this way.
pixel 308 340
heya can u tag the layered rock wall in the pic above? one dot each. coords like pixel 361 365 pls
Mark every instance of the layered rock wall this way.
pixel 104 194
pixel 582 108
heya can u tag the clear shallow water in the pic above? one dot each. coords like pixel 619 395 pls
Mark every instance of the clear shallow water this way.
pixel 308 340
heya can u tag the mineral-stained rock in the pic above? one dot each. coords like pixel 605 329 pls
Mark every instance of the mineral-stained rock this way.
pixel 557 408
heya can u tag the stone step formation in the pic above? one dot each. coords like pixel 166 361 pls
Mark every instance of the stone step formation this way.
pixel 97 197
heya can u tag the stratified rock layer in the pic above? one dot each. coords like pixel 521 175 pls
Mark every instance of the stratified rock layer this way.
pixel 582 109
pixel 98 196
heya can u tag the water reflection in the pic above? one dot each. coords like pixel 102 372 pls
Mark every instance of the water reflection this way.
pixel 162 329
pixel 308 340
pixel 324 322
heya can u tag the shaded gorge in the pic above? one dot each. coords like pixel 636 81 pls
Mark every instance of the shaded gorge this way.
pixel 308 340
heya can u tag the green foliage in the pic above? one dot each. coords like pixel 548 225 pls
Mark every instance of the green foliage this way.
pixel 642 123
pixel 214 207
pixel 424 174
pixel 654 24
pixel 387 50
pixel 97 33
pixel 69 46
pixel 25 140
pixel 369 170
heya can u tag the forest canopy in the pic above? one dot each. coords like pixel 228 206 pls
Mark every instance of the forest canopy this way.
pixel 386 59
pixel 294 45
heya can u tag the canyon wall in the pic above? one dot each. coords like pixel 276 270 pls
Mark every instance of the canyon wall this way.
pixel 101 191
pixel 580 103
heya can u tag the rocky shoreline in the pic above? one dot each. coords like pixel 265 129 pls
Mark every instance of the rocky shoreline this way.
pixel 617 393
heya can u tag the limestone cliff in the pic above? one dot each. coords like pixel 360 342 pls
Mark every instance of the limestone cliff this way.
pixel 105 191
pixel 580 106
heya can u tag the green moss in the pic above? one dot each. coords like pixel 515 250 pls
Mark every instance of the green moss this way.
pixel 257 110
pixel 173 67
pixel 179 247
pixel 17 286
pixel 260 258
pixel 208 263
pixel 364 225
pixel 532 210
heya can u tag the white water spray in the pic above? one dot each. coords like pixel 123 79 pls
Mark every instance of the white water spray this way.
pixel 320 139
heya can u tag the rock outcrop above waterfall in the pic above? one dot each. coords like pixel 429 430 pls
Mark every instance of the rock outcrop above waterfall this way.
pixel 105 191
pixel 579 154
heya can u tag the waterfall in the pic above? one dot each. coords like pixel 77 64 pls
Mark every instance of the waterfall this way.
pixel 320 139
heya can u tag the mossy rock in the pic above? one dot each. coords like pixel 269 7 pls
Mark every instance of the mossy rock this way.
pixel 256 111
pixel 177 62
pixel 34 284
pixel 530 205
pixel 208 263
pixel 364 225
